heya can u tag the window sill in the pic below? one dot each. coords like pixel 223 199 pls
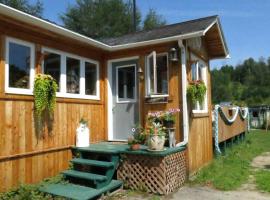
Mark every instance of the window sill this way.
pixel 157 96
pixel 199 114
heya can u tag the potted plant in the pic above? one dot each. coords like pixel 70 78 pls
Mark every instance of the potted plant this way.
pixel 168 117
pixel 154 117
pixel 138 138
pixel 156 137
pixel 196 91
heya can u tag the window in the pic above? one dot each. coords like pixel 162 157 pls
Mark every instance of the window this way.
pixel 73 75
pixel 126 83
pixel 19 66
pixel 157 75
pixel 52 66
pixel 76 77
pixel 199 72
pixel 91 79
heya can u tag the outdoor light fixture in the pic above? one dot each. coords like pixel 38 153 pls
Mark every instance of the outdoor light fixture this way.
pixel 173 54
pixel 140 71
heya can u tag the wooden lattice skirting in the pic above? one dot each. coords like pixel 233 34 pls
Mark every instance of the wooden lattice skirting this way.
pixel 159 175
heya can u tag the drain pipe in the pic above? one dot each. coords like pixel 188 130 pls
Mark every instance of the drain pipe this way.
pixel 184 94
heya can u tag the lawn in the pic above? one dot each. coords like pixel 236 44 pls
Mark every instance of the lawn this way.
pixel 230 171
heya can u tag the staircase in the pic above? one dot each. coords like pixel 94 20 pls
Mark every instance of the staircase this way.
pixel 92 173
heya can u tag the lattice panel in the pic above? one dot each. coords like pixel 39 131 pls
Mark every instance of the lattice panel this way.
pixel 160 175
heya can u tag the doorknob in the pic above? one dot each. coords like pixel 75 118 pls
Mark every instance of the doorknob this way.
pixel 113 108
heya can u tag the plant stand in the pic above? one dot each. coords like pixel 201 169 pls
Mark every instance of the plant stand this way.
pixel 159 173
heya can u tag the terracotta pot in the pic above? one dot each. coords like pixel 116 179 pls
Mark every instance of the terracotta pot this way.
pixel 135 147
pixel 156 142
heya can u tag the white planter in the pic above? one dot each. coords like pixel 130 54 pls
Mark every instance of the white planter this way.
pixel 156 142
pixel 82 136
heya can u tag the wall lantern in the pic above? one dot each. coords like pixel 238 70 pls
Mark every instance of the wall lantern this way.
pixel 173 54
pixel 140 73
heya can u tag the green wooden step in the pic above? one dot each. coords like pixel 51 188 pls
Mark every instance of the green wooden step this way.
pixel 78 192
pixel 96 163
pixel 84 175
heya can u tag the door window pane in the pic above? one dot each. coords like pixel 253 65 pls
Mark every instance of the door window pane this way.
pixel 19 65
pixel 90 78
pixel 126 83
pixel 73 75
pixel 52 64
pixel 162 75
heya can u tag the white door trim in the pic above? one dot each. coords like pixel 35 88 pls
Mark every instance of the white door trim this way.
pixel 110 97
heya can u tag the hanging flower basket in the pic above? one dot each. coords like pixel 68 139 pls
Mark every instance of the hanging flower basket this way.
pixel 196 91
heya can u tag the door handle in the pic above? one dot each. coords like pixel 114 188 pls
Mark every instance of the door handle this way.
pixel 113 108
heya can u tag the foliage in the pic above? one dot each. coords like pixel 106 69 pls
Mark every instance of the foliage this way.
pixel 26 192
pixel 83 121
pixel 196 91
pixel 231 170
pixel 138 135
pixel 24 5
pixel 156 129
pixel 45 89
pixel 107 18
pixel 246 83
pixel 100 19
pixel 161 116
pixel 263 180
pixel 153 20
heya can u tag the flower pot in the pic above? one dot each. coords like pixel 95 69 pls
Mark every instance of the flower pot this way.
pixel 82 136
pixel 156 142
pixel 135 147
pixel 168 124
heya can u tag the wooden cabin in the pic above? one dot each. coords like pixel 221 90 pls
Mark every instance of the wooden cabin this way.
pixel 112 83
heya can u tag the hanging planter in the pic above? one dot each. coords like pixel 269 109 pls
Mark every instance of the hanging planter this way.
pixel 45 89
pixel 196 91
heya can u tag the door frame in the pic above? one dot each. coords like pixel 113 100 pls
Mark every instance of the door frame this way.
pixel 110 96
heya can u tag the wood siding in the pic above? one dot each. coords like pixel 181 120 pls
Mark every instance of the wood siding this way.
pixel 200 144
pixel 227 131
pixel 23 158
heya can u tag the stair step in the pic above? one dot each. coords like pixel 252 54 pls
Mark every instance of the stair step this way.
pixel 78 192
pixel 103 148
pixel 84 175
pixel 96 163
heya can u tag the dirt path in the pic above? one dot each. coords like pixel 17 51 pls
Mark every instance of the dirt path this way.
pixel 247 191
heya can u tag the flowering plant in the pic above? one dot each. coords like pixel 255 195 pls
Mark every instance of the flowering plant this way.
pixel 138 135
pixel 170 114
pixel 156 129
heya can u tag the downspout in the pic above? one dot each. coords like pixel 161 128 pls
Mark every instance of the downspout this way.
pixel 184 94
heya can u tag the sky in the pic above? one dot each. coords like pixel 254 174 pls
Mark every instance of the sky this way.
pixel 246 23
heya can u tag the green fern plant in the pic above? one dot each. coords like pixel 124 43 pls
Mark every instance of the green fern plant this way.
pixel 196 91
pixel 45 88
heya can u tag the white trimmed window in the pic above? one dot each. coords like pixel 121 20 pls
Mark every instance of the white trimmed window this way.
pixel 19 68
pixel 77 77
pixel 157 72
pixel 199 72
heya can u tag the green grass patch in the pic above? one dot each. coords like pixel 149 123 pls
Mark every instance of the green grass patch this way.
pixel 230 171
pixel 263 180
pixel 31 191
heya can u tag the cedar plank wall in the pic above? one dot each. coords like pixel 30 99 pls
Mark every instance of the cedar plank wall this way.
pixel 200 146
pixel 23 159
pixel 226 131
pixel 174 83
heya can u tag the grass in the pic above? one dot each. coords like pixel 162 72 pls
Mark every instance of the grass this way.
pixel 263 180
pixel 230 171
pixel 31 191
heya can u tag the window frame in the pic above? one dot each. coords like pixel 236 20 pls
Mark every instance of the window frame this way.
pixel 148 79
pixel 126 100
pixel 63 76
pixel 13 90
pixel 199 61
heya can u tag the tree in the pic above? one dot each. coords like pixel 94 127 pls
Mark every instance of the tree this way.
pixel 153 20
pixel 24 5
pixel 247 82
pixel 100 18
